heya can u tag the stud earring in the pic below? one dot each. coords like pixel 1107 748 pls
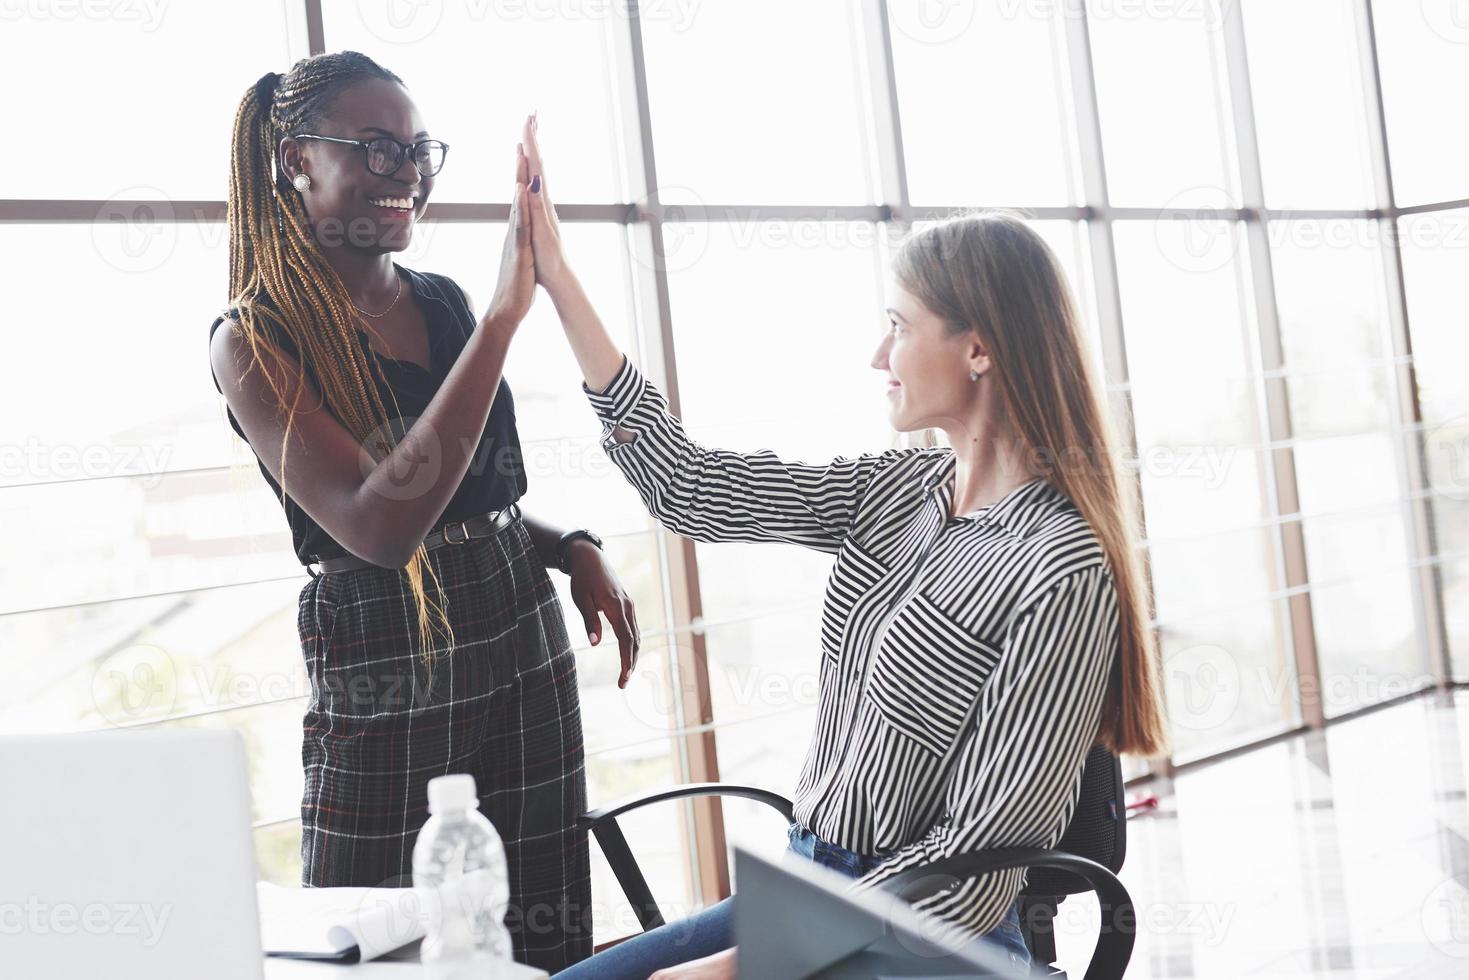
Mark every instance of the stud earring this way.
pixel 301 182
pixel 973 375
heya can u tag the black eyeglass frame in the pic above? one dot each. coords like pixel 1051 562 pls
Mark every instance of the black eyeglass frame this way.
pixel 405 150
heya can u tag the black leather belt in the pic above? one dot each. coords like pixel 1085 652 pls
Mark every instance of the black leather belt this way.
pixel 455 532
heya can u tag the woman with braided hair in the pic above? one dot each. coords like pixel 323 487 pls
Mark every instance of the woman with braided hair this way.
pixel 373 398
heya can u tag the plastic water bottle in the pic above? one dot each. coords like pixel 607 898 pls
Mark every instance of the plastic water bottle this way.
pixel 459 871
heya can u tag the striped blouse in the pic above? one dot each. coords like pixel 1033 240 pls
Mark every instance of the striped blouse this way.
pixel 963 659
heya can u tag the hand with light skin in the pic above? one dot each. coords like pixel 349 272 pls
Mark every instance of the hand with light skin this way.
pixel 552 271
pixel 595 588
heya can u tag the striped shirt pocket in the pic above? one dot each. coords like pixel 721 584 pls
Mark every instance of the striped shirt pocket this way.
pixel 927 674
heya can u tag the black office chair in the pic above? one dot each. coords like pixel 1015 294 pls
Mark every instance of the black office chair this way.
pixel 1086 860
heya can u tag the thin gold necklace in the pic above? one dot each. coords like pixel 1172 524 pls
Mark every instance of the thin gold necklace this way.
pixel 390 305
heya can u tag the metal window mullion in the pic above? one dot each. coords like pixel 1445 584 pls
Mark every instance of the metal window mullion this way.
pixel 1108 292
pixel 885 114
pixel 1282 490
pixel 689 665
pixel 315 34
pixel 1406 410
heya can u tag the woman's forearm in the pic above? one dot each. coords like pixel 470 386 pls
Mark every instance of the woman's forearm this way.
pixel 596 353
pixel 544 537
pixel 445 434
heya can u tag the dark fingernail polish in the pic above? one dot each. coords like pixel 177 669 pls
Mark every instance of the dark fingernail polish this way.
pixel 535 184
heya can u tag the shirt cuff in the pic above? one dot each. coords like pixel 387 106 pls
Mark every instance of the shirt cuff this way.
pixel 622 394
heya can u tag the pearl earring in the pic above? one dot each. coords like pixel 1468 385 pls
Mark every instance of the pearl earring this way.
pixel 301 182
pixel 973 375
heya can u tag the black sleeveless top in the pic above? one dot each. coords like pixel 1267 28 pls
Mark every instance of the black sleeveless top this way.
pixel 496 474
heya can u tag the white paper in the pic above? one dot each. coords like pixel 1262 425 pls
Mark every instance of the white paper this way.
pixel 330 921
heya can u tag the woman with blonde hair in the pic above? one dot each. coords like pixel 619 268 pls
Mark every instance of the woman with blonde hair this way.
pixel 986 620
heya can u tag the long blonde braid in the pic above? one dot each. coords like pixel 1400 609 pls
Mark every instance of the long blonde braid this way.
pixel 274 255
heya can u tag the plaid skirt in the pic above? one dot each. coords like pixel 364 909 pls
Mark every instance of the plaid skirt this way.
pixel 503 707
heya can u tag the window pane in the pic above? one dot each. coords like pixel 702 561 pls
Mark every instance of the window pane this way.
pixel 1193 391
pixel 1361 582
pixel 1366 640
pixel 1166 144
pixel 768 665
pixel 146 354
pixel 1212 557
pixel 1456 607
pixel 1228 678
pixel 476 70
pixel 1422 56
pixel 1329 291
pixel 1015 150
pixel 149 109
pixel 1193 576
pixel 757 102
pixel 1304 53
pixel 125 663
pixel 654 833
pixel 784 366
pixel 767 753
pixel 1435 265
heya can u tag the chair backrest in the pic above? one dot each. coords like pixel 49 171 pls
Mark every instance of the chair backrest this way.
pixel 1098 828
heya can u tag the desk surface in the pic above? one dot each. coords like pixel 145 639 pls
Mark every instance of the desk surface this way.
pixel 285 968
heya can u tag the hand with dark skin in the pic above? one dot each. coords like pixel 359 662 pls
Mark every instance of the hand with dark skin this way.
pixel 596 591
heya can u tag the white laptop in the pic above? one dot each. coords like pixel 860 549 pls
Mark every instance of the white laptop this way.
pixel 127 854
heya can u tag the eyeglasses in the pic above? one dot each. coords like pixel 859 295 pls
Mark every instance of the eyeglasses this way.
pixel 385 154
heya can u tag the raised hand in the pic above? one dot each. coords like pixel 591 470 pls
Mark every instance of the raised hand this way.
pixel 516 287
pixel 550 261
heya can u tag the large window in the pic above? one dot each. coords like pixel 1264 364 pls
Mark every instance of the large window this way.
pixel 1267 243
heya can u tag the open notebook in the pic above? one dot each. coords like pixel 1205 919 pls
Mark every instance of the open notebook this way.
pixel 346 924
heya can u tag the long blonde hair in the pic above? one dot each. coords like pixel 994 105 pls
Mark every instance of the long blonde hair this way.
pixel 274 256
pixel 990 273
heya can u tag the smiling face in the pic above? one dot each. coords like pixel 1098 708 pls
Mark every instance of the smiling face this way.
pixel 349 206
pixel 927 366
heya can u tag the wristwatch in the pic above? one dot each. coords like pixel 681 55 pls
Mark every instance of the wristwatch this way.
pixel 566 539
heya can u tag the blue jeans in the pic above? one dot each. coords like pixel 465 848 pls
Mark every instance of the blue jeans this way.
pixel 707 932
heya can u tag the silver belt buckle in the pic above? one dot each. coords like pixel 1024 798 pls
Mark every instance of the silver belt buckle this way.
pixel 448 539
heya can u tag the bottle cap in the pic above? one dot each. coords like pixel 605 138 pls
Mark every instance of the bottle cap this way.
pixel 453 792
